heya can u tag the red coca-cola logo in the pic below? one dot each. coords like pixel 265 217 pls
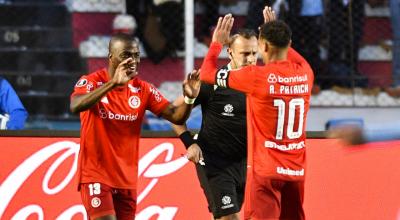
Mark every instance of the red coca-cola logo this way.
pixel 42 184
pixel 37 181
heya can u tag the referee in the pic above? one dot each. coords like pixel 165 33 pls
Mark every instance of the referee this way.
pixel 220 150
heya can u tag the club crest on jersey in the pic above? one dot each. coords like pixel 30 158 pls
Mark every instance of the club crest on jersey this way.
pixel 81 82
pixel 134 102
pixel 96 202
pixel 272 78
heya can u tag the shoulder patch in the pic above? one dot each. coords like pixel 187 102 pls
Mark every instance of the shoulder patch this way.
pixel 81 82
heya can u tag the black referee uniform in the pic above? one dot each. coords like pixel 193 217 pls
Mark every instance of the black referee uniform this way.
pixel 222 139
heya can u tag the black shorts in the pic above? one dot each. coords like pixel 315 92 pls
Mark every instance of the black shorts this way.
pixel 223 186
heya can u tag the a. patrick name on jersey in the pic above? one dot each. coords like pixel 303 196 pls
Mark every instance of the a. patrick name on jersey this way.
pixel 282 85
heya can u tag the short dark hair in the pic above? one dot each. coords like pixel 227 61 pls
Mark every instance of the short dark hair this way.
pixel 243 32
pixel 126 38
pixel 276 32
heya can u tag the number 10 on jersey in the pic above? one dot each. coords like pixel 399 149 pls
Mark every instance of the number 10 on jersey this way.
pixel 289 118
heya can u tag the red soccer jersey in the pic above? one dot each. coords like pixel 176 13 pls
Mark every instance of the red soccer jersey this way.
pixel 110 130
pixel 278 96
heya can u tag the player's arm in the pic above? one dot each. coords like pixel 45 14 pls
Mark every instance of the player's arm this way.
pixel 179 128
pixel 191 87
pixel 219 38
pixel 295 57
pixel 242 79
pixel 11 104
pixel 194 152
pixel 83 102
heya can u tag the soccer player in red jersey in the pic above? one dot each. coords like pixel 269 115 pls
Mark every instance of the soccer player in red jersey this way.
pixel 278 96
pixel 112 103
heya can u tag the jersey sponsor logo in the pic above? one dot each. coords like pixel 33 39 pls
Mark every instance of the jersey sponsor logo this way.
pixel 81 83
pixel 290 172
pixel 228 108
pixel 272 78
pixel 134 102
pixel 222 76
pixel 96 202
pixel 104 114
pixel 156 94
pixel 282 147
pixel 226 201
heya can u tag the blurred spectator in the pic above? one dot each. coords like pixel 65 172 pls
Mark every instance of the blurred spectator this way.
pixel 345 23
pixel 210 14
pixel 395 18
pixel 12 112
pixel 254 20
pixel 124 23
pixel 305 20
pixel 160 26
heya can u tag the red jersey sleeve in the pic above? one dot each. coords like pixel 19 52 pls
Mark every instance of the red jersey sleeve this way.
pixel 242 79
pixel 156 102
pixel 295 57
pixel 208 69
pixel 84 85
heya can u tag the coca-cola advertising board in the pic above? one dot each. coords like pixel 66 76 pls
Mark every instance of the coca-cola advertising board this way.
pixel 37 180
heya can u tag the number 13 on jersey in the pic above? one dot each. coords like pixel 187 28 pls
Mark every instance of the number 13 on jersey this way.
pixel 290 118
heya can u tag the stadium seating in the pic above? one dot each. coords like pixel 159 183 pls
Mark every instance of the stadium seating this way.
pixel 47 45
pixel 37 55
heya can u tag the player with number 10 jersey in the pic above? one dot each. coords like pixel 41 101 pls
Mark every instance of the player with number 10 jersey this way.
pixel 278 96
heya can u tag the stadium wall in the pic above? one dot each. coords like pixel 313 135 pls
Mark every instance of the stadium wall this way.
pixel 370 116
pixel 37 180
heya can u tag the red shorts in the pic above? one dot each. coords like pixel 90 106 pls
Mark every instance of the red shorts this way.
pixel 101 200
pixel 270 199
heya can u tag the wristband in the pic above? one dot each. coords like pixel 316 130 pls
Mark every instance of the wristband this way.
pixel 187 139
pixel 189 101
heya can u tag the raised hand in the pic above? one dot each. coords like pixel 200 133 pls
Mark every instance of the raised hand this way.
pixel 269 14
pixel 191 85
pixel 223 29
pixel 125 71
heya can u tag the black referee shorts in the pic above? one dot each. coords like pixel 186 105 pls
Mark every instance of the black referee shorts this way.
pixel 223 186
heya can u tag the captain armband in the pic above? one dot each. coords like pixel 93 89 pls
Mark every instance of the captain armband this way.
pixel 222 78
